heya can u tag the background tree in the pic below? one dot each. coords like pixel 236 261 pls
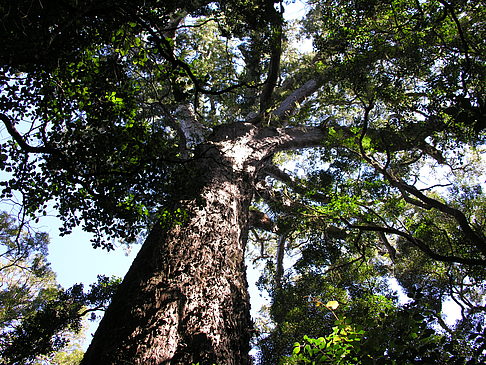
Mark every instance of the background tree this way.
pixel 38 317
pixel 27 279
pixel 169 119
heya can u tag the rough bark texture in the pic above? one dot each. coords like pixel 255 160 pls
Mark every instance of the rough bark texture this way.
pixel 184 299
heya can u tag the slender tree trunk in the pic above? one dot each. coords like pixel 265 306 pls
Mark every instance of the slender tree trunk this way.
pixel 184 299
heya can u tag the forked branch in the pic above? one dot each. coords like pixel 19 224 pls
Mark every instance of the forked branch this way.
pixel 19 139
pixel 422 246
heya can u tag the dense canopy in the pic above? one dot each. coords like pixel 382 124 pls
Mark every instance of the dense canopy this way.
pixel 341 152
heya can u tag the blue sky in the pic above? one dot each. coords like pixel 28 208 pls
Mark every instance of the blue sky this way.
pixel 73 258
pixel 75 261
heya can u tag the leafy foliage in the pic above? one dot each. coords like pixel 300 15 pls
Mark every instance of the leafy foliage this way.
pixel 27 279
pixel 46 330
pixel 378 201
pixel 98 98
pixel 339 347
pixel 37 316
pixel 425 57
pixel 99 95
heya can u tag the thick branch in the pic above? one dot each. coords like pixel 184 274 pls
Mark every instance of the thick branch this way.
pixel 261 221
pixel 299 137
pixel 274 65
pixel 305 137
pixel 288 106
pixel 14 133
pixel 291 102
pixel 426 202
pixel 190 126
pixel 420 199
pixel 276 173
pixel 391 250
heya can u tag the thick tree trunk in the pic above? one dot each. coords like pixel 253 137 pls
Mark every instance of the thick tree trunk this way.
pixel 184 299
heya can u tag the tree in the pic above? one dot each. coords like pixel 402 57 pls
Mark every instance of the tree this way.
pixel 395 329
pixel 168 119
pixel 38 317
pixel 27 279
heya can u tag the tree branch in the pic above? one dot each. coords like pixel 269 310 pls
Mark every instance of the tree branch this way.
pixel 451 11
pixel 165 49
pixel 418 243
pixel 420 199
pixel 276 173
pixel 193 130
pixel 17 137
pixel 274 65
pixel 291 102
pixel 261 221
pixel 426 202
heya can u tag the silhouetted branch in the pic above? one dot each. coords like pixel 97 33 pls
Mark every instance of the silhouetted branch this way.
pixel 417 243
pixel 17 137
pixel 274 65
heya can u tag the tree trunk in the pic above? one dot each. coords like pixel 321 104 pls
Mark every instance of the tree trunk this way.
pixel 184 299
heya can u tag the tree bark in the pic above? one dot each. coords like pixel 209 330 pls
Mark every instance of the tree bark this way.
pixel 185 299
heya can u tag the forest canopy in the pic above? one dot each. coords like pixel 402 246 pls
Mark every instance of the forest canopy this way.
pixel 210 130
